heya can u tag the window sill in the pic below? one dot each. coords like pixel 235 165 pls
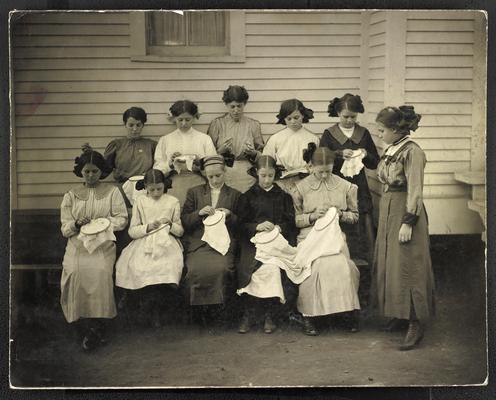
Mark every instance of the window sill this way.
pixel 190 59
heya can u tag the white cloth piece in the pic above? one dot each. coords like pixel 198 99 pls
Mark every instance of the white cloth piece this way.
pixel 185 161
pixel 217 236
pixel 156 243
pixel 353 165
pixel 280 253
pixel 319 243
pixel 129 188
pixel 92 242
pixel 265 283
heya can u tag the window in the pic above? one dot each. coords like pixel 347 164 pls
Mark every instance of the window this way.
pixel 193 36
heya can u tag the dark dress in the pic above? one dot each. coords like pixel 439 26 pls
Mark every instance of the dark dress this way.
pixel 361 235
pixel 256 206
pixel 130 157
pixel 402 273
pixel 208 271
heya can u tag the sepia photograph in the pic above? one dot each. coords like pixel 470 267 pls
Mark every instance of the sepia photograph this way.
pixel 248 198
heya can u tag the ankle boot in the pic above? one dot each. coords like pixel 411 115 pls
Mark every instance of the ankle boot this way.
pixel 396 325
pixel 246 321
pixel 413 336
pixel 269 325
pixel 308 327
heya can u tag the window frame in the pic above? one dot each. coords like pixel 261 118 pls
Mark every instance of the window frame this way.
pixel 236 42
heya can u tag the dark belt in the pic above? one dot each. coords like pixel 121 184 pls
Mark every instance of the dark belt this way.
pixel 389 188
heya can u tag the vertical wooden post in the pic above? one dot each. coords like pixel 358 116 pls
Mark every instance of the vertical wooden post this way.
pixel 364 63
pixel 479 84
pixel 395 60
pixel 13 145
pixel 137 34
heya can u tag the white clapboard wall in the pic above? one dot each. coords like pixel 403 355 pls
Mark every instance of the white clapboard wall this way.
pixel 73 78
pixel 437 59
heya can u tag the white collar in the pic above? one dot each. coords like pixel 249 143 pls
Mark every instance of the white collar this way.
pixel 216 189
pixel 189 131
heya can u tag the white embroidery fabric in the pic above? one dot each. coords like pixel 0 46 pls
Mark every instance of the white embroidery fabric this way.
pixel 318 243
pixel 156 243
pixel 280 253
pixel 129 188
pixel 217 236
pixel 92 242
pixel 353 165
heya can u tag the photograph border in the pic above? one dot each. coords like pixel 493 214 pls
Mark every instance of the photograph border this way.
pixel 432 392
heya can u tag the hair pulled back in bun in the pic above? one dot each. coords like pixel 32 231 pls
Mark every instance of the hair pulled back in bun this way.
pixel 401 119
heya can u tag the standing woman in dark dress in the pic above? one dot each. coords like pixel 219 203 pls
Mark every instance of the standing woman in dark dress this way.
pixel 343 138
pixel 208 271
pixel 403 281
pixel 262 208
pixel 131 155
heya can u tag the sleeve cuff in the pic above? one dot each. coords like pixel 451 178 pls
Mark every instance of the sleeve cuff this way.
pixel 410 219
pixel 307 220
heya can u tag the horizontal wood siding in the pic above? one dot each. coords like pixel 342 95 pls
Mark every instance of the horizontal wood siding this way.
pixel 73 79
pixel 376 65
pixel 438 82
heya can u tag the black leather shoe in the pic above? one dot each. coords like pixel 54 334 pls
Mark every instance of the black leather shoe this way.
pixel 396 325
pixel 308 327
pixel 413 336
pixel 269 325
pixel 245 324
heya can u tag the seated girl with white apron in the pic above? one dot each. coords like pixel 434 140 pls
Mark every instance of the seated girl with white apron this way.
pixel 153 261
pixel 267 233
pixel 322 199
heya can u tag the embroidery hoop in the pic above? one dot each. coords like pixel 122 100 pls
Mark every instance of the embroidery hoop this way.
pixel 212 220
pixel 136 178
pixel 95 226
pixel 325 221
pixel 156 230
pixel 266 237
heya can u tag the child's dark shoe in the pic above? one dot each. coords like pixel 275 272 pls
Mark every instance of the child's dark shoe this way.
pixel 269 325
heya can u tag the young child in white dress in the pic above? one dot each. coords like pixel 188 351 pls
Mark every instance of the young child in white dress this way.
pixel 153 261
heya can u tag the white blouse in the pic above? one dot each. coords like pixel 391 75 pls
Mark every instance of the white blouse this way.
pixel 287 147
pixel 147 210
pixel 104 201
pixel 191 142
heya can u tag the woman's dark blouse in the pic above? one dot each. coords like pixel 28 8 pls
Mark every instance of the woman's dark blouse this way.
pixel 337 141
pixel 130 157
pixel 256 206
